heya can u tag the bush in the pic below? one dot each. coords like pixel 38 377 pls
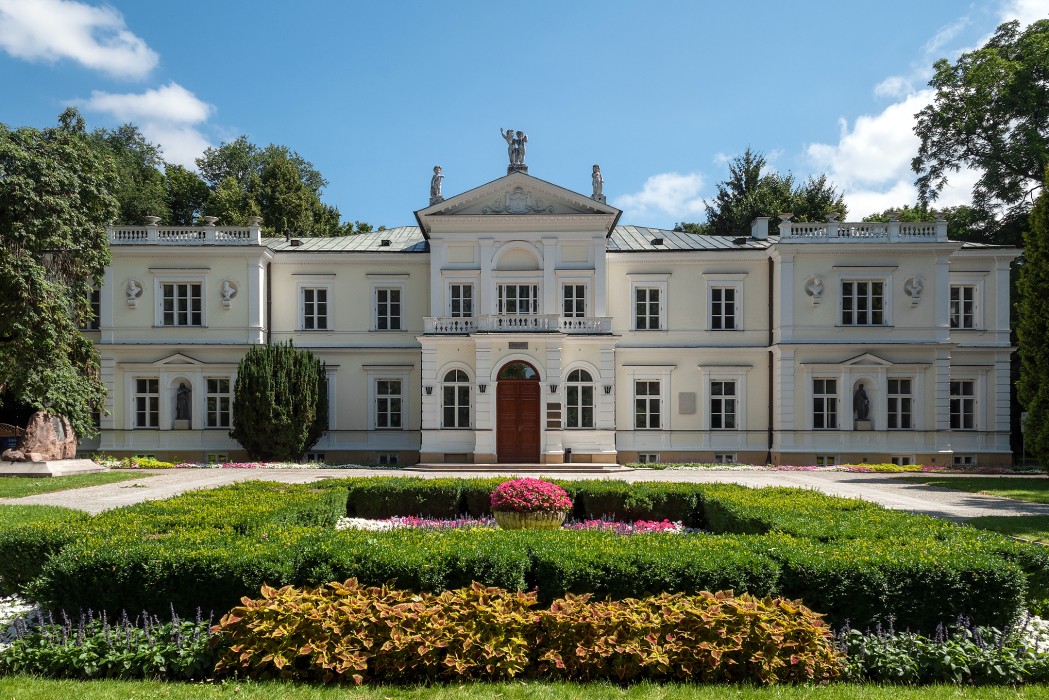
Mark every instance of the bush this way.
pixel 385 497
pixel 530 496
pixel 26 548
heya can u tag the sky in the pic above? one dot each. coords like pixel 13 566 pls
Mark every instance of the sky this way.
pixel 661 94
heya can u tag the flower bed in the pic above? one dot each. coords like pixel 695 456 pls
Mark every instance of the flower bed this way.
pixel 387 524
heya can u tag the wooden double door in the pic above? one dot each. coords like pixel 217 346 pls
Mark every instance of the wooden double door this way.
pixel 517 421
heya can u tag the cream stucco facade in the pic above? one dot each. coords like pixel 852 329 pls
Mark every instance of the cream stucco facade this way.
pixel 519 322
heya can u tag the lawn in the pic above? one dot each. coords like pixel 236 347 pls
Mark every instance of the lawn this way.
pixel 16 487
pixel 1028 527
pixel 26 688
pixel 11 516
pixel 1034 489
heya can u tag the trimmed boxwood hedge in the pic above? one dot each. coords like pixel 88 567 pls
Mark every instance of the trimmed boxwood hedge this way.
pixel 852 560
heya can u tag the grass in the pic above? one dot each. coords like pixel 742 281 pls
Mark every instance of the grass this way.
pixel 16 487
pixel 27 688
pixel 1034 528
pixel 19 515
pixel 1033 489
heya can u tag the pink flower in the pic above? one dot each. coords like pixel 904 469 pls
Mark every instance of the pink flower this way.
pixel 529 496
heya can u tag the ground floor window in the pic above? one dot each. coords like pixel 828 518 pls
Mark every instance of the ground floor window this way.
pixel 901 461
pixel 388 403
pixel 724 458
pixel 147 403
pixel 964 460
pixel 899 404
pixel 216 457
pixel 579 400
pixel 825 404
pixel 218 402
pixel 456 400
pixel 317 457
pixel 826 460
pixel 648 458
pixel 387 458
pixel 646 405
pixel 722 405
pixel 963 404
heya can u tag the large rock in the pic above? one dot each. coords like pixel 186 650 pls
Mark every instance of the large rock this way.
pixel 46 438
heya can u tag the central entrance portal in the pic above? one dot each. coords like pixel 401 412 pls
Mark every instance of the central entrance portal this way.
pixel 517 414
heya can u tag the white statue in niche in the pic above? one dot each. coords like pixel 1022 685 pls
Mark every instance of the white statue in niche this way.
pixel 815 289
pixel 913 288
pixel 134 291
pixel 228 292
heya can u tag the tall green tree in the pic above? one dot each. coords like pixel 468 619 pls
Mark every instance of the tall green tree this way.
pixel 55 204
pixel 187 195
pixel 280 402
pixel 751 190
pixel 964 223
pixel 139 185
pixel 990 112
pixel 1033 329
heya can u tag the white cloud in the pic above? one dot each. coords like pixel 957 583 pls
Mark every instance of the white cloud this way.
pixel 96 37
pixel 169 116
pixel 1026 11
pixel 669 194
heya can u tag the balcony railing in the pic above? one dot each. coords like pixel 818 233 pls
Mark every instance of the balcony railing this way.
pixel 513 323
pixel 151 234
pixel 863 231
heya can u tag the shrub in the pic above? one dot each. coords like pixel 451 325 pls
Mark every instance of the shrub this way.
pixel 641 501
pixel 530 496
pixel 385 497
pixel 26 548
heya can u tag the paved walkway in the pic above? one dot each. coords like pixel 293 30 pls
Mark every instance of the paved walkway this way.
pixel 891 491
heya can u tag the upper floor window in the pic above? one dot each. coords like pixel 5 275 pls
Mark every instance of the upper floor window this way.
pixel 647 401
pixel 963 306
pixel 456 400
pixel 314 308
pixel 648 308
pixel 825 404
pixel 218 403
pixel 899 404
pixel 963 404
pixel 722 405
pixel 388 403
pixel 147 403
pixel 181 304
pixel 723 308
pixel 91 323
pixel 862 303
pixel 579 400
pixel 574 300
pixel 388 308
pixel 461 300
pixel 518 299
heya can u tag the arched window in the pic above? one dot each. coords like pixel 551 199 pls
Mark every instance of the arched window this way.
pixel 579 397
pixel 517 370
pixel 456 399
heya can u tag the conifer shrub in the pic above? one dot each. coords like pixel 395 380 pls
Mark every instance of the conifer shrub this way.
pixel 280 402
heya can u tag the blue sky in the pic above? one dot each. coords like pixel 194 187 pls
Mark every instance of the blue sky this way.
pixel 661 94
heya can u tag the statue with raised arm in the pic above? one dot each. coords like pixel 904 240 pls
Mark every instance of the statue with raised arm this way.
pixel 599 185
pixel 435 185
pixel 510 145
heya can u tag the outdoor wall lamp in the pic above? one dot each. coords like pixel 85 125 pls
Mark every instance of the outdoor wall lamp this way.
pixel 608 388
pixel 429 390
pixel 553 388
pixel 482 387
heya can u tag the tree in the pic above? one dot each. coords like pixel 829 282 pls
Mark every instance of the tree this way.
pixel 187 195
pixel 750 192
pixel 964 223
pixel 280 402
pixel 139 186
pixel 1033 329
pixel 55 204
pixel 990 112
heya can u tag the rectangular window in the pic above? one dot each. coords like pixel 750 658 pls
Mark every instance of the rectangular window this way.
pixel 648 458
pixel 646 308
pixel 579 400
pixel 963 404
pixel 722 405
pixel 461 298
pixel 724 458
pixel 315 309
pixel 899 404
pixel 216 457
pixel 388 403
pixel 316 457
pixel 963 306
pixel 826 460
pixel 646 405
pixel 722 308
pixel 825 404
pixel 387 458
pixel 182 304
pixel 574 302
pixel 147 403
pixel 862 303
pixel 964 460
pixel 218 402
pixel 456 405
pixel 388 309
pixel 901 461
pixel 518 299
pixel 91 323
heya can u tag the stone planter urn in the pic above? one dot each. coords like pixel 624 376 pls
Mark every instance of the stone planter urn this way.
pixel 537 520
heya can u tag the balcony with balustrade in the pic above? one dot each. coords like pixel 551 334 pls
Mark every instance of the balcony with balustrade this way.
pixel 208 234
pixel 861 231
pixel 518 323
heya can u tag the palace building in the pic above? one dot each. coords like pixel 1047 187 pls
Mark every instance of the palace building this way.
pixel 521 322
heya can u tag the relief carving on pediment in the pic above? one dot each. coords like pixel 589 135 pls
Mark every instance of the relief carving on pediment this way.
pixel 518 201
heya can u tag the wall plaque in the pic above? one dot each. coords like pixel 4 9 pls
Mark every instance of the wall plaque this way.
pixel 518 345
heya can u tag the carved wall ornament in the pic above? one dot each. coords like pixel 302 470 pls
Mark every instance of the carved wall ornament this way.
pixel 228 292
pixel 913 288
pixel 814 288
pixel 133 291
pixel 517 201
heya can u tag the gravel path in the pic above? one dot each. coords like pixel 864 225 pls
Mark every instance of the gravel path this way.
pixel 891 491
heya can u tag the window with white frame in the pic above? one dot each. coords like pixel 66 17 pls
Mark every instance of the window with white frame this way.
pixel 648 458
pixel 648 308
pixel 573 300
pixel 461 300
pixel 647 403
pixel 964 460
pixel 963 306
pixel 862 302
pixel 579 400
pixel 216 457
pixel 899 403
pixel 181 304
pixel 722 405
pixel 724 458
pixel 387 458
pixel 963 404
pixel 902 460
pixel 826 460
pixel 455 399
pixel 314 308
pixel 91 322
pixel 388 400
pixel 388 308
pixel 723 308
pixel 825 404
pixel 147 403
pixel 518 299
pixel 218 402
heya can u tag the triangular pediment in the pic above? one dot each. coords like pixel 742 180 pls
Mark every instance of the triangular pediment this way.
pixel 178 359
pixel 515 196
pixel 867 359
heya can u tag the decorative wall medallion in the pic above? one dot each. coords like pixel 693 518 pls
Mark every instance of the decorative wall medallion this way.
pixel 133 291
pixel 517 201
pixel 814 288
pixel 229 293
pixel 913 288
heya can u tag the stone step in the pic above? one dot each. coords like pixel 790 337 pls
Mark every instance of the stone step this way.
pixel 578 468
pixel 54 467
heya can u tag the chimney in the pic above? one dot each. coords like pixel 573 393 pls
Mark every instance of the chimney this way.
pixel 759 228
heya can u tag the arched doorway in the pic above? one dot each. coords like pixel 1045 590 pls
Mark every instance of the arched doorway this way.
pixel 517 414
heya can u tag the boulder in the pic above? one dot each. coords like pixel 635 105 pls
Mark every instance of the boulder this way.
pixel 46 438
